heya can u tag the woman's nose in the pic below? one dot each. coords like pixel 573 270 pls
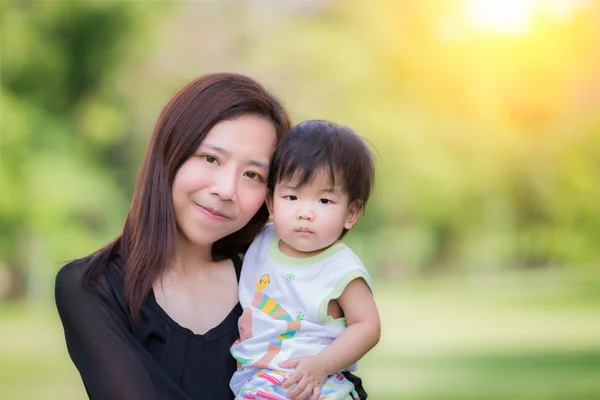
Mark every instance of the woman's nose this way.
pixel 225 185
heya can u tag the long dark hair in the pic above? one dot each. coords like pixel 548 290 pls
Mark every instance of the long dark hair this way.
pixel 146 244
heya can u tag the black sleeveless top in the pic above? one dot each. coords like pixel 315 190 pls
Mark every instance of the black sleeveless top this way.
pixel 155 359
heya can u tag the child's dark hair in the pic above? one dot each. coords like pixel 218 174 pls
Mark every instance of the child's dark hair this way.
pixel 313 145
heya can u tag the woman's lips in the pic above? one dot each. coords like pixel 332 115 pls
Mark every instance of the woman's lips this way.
pixel 212 213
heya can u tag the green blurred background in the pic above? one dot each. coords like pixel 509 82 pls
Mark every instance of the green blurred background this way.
pixel 482 234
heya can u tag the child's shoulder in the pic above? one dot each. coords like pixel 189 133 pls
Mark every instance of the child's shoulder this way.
pixel 346 256
pixel 266 233
pixel 263 238
pixel 341 262
pixel 268 229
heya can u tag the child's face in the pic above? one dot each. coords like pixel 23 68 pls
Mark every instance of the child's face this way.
pixel 310 218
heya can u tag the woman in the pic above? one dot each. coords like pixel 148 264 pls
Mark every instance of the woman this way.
pixel 153 314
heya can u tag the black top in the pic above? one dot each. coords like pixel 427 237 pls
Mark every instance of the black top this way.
pixel 157 359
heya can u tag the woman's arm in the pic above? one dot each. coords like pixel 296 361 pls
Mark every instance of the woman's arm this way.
pixel 112 363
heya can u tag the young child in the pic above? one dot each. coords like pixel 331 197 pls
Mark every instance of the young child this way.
pixel 308 308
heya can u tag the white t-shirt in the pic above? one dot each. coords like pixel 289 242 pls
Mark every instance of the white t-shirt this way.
pixel 285 303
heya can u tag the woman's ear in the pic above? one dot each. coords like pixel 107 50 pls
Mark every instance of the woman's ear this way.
pixel 353 213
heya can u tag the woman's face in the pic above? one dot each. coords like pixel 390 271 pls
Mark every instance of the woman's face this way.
pixel 219 189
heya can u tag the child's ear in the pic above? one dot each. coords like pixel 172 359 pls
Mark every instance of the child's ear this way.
pixel 353 213
pixel 269 201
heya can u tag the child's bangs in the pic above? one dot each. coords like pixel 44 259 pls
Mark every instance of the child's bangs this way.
pixel 302 170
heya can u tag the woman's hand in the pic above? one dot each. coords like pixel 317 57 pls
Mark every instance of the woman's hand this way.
pixel 310 373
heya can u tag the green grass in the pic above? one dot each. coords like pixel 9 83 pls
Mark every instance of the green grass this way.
pixel 518 337
pixel 487 375
pixel 34 363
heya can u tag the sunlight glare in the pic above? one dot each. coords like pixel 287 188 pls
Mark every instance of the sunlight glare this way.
pixel 503 16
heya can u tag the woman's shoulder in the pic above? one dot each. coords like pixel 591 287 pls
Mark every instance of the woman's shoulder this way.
pixel 73 273
pixel 77 277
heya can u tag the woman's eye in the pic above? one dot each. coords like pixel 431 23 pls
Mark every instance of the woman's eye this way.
pixel 292 198
pixel 255 176
pixel 210 159
pixel 325 201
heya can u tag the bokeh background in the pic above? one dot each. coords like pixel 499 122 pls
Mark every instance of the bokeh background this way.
pixel 482 234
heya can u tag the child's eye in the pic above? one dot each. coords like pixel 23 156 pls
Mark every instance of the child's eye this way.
pixel 255 176
pixel 290 197
pixel 210 159
pixel 325 201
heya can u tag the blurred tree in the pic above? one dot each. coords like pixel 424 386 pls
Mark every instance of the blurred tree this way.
pixel 487 143
pixel 486 140
pixel 65 163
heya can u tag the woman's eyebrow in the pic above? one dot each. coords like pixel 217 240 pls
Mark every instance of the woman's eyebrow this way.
pixel 227 153
pixel 256 163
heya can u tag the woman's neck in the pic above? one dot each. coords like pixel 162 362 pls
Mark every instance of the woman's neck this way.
pixel 190 257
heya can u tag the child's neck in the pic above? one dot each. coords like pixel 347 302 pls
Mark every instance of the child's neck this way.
pixel 294 253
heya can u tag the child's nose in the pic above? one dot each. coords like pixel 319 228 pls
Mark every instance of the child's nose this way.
pixel 305 214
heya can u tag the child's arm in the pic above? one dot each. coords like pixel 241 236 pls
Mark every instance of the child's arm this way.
pixel 363 331
pixel 361 335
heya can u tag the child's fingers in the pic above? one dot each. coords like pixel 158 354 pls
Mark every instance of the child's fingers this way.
pixel 291 363
pixel 316 392
pixel 294 378
pixel 301 390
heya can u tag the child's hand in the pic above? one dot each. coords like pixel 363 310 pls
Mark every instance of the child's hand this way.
pixel 309 375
